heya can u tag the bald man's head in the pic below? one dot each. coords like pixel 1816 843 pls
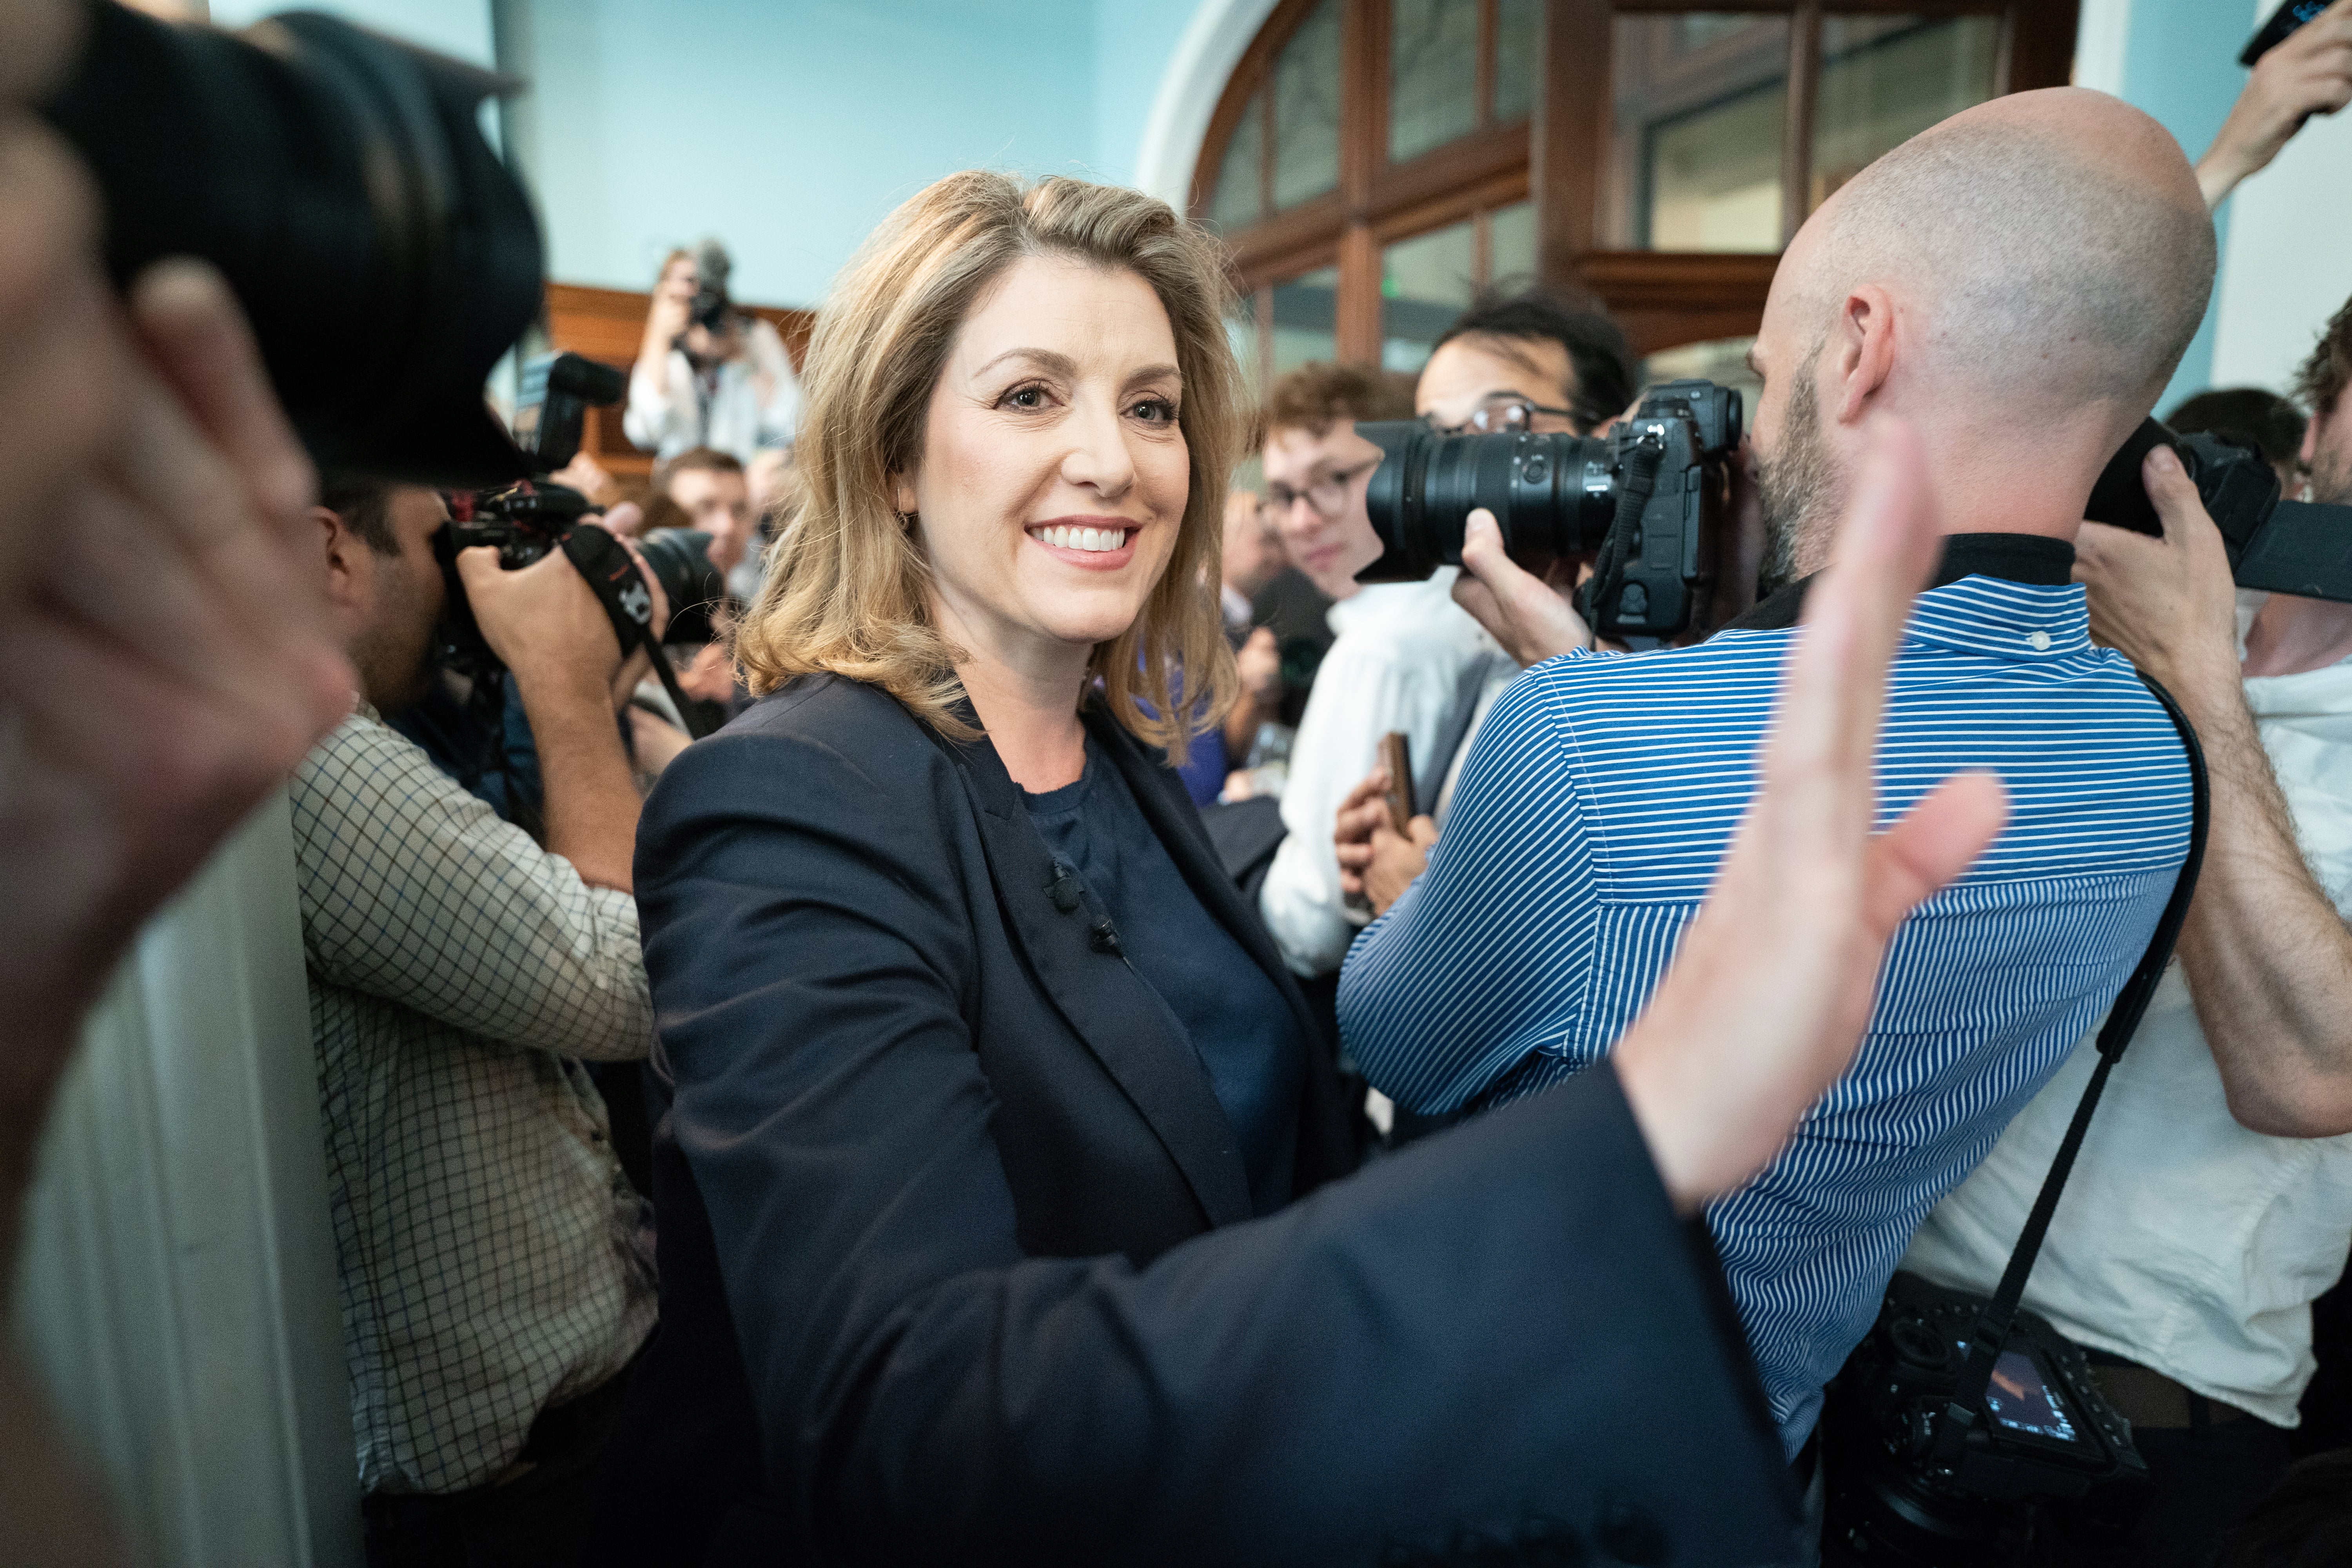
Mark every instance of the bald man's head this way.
pixel 2053 243
pixel 2017 282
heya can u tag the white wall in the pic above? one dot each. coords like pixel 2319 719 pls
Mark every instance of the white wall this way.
pixel 2287 259
pixel 2285 235
pixel 176 1291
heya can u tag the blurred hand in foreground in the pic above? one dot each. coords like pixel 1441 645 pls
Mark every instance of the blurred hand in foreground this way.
pixel 166 660
pixel 1771 988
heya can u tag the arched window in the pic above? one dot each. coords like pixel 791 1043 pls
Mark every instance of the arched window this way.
pixel 1373 163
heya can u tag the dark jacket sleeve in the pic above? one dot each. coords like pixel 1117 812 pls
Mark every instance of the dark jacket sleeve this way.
pixel 1501 1331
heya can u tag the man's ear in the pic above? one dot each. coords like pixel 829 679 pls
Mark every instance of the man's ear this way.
pixel 350 578
pixel 1862 352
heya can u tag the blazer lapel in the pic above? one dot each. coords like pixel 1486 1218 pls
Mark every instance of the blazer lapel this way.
pixel 1328 1139
pixel 1123 1023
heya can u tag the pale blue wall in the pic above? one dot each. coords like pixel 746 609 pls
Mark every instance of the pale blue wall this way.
pixel 1134 40
pixel 790 127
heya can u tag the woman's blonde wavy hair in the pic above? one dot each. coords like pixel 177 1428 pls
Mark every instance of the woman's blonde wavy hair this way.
pixel 846 586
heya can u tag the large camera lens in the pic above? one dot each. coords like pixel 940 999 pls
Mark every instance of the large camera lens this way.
pixel 1552 496
pixel 679 558
pixel 338 180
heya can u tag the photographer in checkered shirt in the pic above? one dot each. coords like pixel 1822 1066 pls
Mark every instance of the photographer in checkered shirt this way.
pixel 493 1285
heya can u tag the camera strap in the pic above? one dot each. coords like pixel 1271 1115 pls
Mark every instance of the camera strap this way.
pixel 1999 1314
pixel 612 572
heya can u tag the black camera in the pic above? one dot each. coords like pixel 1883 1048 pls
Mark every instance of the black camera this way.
pixel 2045 1463
pixel 553 396
pixel 526 521
pixel 711 309
pixel 340 181
pixel 1644 501
pixel 2283 546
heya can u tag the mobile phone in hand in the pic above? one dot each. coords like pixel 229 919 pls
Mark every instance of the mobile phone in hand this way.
pixel 2284 20
pixel 1396 756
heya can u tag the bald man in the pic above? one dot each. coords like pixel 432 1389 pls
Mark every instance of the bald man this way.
pixel 2016 283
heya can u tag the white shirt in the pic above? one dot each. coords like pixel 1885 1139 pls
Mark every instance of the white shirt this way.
pixel 722 410
pixel 1404 657
pixel 2184 1242
pixel 488 1243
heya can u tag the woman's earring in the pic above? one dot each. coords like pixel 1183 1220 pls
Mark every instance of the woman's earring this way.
pixel 907 519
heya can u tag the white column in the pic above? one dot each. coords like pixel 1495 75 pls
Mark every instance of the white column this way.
pixel 176 1294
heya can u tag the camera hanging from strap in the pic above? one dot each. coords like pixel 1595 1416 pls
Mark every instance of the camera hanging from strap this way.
pixel 1959 1416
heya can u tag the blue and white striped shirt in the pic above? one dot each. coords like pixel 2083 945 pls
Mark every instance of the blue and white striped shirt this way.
pixel 1595 806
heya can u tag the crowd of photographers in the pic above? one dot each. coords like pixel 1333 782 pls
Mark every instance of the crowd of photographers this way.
pixel 1479 863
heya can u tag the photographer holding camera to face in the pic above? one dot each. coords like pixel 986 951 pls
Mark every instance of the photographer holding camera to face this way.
pixel 2215 1191
pixel 1408 657
pixel 1600 791
pixel 461 976
pixel 708 375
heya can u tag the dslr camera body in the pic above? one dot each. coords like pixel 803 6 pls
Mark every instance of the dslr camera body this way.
pixel 2303 548
pixel 525 520
pixel 2041 1465
pixel 711 309
pixel 1644 501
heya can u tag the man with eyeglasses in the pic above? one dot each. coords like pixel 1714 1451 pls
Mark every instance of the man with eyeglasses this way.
pixel 1408 656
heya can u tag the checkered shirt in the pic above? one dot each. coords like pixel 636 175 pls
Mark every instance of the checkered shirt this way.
pixel 485 1235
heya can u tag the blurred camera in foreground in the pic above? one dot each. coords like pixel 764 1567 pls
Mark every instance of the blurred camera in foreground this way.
pixel 338 180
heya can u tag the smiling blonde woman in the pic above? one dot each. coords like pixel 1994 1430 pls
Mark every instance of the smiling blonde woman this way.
pixel 856 589
pixel 984 1100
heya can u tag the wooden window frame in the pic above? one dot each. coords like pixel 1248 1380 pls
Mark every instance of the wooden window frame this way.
pixel 1663 299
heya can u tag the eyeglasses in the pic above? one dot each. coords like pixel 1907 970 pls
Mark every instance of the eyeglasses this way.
pixel 1503 414
pixel 1325 495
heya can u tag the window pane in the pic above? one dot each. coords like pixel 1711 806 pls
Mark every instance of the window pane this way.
pixel 1723 360
pixel 1518 38
pixel 1306 316
pixel 1885 79
pixel 1511 243
pixel 1306 110
pixel 1433 73
pixel 1239 201
pixel 1696 160
pixel 1424 283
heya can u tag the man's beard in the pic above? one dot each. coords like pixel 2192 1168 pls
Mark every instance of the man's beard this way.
pixel 2331 476
pixel 1797 485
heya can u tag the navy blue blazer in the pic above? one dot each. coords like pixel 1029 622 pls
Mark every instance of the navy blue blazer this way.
pixel 956 1256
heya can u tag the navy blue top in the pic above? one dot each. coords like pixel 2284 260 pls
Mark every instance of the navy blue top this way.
pixel 1241 1026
